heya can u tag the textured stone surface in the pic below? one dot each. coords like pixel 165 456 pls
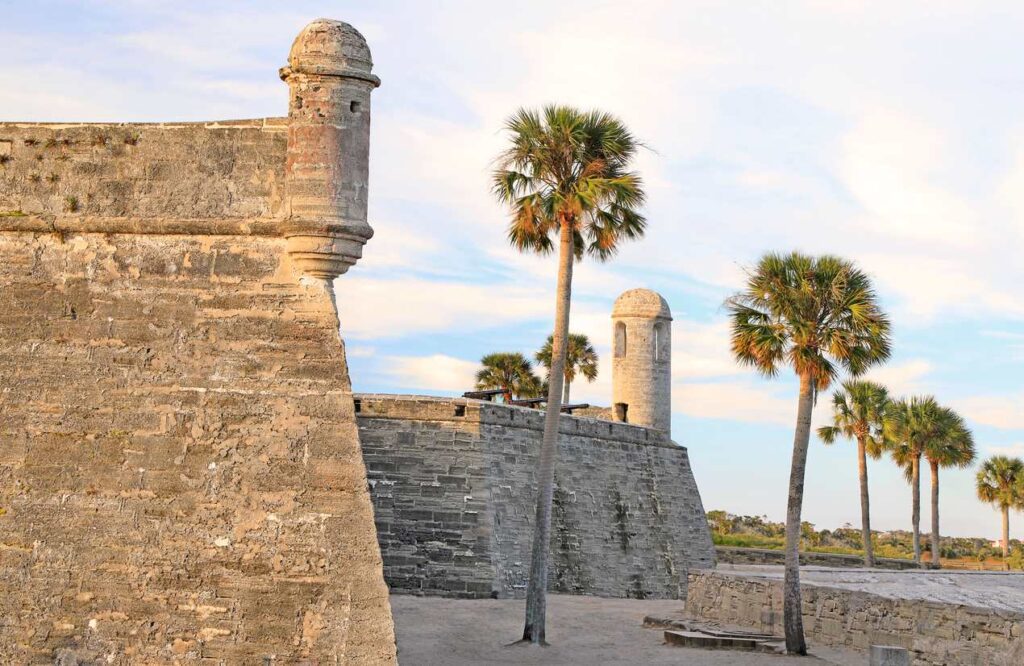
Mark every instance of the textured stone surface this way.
pixel 453 489
pixel 936 632
pixel 642 360
pixel 888 655
pixel 229 169
pixel 180 472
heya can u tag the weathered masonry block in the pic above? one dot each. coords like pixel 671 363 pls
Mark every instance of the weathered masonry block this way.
pixel 180 472
pixel 453 485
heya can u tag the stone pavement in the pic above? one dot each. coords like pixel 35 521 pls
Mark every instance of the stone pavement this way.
pixel 589 631
pixel 996 590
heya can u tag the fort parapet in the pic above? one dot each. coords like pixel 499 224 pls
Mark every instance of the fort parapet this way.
pixel 180 473
pixel 453 485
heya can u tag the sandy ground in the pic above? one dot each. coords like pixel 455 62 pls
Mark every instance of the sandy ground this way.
pixel 582 630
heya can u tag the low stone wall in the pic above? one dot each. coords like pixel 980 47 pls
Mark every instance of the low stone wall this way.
pixel 937 634
pixel 453 489
pixel 727 555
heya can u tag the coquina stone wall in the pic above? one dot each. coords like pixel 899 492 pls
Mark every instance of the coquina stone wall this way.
pixel 453 487
pixel 180 472
pixel 937 634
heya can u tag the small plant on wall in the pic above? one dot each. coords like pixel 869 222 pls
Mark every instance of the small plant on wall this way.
pixel 71 204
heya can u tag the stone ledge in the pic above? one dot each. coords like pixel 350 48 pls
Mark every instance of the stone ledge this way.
pixel 435 408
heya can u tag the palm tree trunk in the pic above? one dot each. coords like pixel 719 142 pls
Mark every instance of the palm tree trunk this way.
pixel 915 515
pixel 1006 532
pixel 536 591
pixel 565 397
pixel 793 620
pixel 865 510
pixel 935 513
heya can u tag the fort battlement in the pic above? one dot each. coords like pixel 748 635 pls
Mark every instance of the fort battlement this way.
pixel 453 485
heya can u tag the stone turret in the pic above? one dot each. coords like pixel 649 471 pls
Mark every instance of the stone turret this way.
pixel 642 360
pixel 329 80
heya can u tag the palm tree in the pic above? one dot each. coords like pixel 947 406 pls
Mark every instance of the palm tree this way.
pixel 510 372
pixel 952 445
pixel 580 357
pixel 858 413
pixel 1001 482
pixel 817 315
pixel 909 425
pixel 565 174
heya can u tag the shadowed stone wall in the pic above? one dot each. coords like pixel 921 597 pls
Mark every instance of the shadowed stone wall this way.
pixel 453 486
pixel 180 472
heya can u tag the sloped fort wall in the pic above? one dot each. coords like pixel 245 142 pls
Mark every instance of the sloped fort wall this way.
pixel 180 473
pixel 453 486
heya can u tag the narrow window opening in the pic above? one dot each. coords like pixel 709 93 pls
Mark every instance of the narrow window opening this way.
pixel 622 412
pixel 460 410
pixel 620 340
pixel 657 341
pixel 358 405
pixel 354 106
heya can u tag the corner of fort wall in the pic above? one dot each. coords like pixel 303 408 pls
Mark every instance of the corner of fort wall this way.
pixel 453 489
pixel 180 471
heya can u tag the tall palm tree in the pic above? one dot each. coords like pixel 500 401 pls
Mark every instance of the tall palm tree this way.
pixel 816 315
pixel 510 372
pixel 1001 482
pixel 580 357
pixel 951 445
pixel 858 413
pixel 909 425
pixel 565 175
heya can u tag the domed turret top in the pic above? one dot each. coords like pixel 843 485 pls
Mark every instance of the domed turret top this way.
pixel 641 303
pixel 330 48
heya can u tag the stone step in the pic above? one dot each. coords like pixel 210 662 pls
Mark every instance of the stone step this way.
pixel 701 640
pixel 678 624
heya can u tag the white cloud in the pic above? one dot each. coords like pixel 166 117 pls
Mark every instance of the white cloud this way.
pixel 888 163
pixel 902 378
pixel 1004 411
pixel 736 401
pixel 1015 450
pixel 389 308
pixel 432 373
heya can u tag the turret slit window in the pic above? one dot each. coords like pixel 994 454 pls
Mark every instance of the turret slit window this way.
pixel 620 340
pixel 661 350
pixel 657 342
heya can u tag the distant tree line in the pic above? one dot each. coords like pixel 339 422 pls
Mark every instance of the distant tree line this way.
pixel 728 529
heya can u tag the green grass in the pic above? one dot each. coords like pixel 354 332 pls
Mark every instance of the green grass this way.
pixel 779 543
pixel 12 213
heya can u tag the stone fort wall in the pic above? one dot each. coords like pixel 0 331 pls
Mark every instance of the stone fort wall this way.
pixel 180 475
pixel 180 472
pixel 453 486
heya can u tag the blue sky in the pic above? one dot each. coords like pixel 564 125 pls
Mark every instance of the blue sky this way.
pixel 890 134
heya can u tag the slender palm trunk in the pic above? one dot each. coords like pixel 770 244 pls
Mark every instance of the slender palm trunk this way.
pixel 793 620
pixel 915 514
pixel 536 591
pixel 565 396
pixel 1006 532
pixel 935 513
pixel 865 509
